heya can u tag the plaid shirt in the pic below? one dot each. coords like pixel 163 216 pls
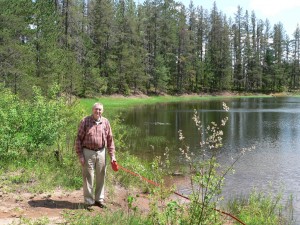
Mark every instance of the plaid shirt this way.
pixel 93 136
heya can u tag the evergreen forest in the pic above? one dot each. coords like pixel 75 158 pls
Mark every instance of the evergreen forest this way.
pixel 97 47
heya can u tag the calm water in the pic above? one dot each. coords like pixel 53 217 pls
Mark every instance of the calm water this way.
pixel 270 124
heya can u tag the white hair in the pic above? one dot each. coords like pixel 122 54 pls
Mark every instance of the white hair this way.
pixel 97 104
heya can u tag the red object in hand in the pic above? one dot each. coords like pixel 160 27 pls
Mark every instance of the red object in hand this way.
pixel 114 166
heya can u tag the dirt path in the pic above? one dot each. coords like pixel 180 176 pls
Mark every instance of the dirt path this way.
pixel 14 206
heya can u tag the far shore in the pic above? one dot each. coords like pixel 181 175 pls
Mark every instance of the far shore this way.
pixel 200 95
pixel 118 102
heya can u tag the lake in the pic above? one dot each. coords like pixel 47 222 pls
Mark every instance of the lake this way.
pixel 270 124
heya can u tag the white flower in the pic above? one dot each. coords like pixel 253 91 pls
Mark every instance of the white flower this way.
pixel 225 107
pixel 181 137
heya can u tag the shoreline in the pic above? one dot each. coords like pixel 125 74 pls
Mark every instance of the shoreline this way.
pixel 203 94
pixel 113 104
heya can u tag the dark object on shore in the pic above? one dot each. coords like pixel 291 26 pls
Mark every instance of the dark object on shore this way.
pixel 177 173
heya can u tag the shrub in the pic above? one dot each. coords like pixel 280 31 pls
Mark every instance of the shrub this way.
pixel 30 126
pixel 37 128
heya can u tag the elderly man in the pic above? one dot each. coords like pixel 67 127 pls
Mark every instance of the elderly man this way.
pixel 94 136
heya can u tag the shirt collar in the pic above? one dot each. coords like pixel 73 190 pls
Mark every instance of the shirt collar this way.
pixel 96 121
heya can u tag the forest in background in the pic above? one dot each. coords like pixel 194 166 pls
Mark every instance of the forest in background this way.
pixel 96 47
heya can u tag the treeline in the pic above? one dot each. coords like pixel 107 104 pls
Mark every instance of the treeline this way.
pixel 91 47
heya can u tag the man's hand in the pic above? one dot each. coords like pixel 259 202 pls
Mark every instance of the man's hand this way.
pixel 114 165
pixel 81 161
pixel 113 159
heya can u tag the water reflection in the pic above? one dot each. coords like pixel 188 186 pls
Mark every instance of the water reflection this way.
pixel 270 124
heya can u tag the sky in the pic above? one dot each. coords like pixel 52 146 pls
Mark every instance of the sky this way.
pixel 287 11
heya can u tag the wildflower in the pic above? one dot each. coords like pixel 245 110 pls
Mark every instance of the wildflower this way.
pixel 224 121
pixel 181 150
pixel 181 137
pixel 225 107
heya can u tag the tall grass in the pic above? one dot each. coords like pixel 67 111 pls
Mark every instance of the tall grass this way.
pixel 262 208
pixel 116 218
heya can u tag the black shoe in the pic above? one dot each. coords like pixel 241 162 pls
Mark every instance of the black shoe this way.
pixel 100 204
pixel 88 207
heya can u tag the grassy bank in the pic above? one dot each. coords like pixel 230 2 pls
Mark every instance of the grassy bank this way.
pixel 113 104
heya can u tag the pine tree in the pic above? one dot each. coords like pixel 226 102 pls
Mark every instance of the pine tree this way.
pixel 16 50
pixel 167 47
pixel 152 13
pixel 181 76
pixel 218 51
pixel 254 69
pixel 101 77
pixel 192 57
pixel 267 58
pixel 278 70
pixel 238 46
pixel 202 30
pixel 247 53
pixel 296 59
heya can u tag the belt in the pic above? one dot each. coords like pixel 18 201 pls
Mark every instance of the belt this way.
pixel 96 149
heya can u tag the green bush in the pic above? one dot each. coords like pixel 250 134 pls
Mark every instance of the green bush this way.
pixel 30 126
pixel 37 136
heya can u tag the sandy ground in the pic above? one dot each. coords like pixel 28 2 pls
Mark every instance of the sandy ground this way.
pixel 14 206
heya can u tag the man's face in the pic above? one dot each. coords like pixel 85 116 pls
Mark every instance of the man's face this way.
pixel 97 111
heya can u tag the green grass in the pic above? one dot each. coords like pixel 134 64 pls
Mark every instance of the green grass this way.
pixel 113 218
pixel 259 208
pixel 114 104
pixel 27 221
pixel 82 217
pixel 38 176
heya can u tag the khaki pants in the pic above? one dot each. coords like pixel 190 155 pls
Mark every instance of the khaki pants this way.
pixel 94 161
